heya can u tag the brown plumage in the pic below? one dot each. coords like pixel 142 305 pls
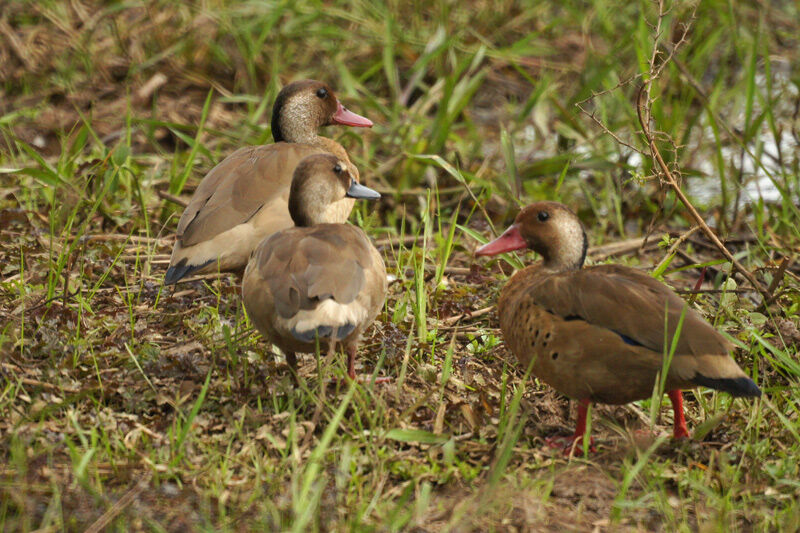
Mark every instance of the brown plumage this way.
pixel 244 198
pixel 321 281
pixel 597 334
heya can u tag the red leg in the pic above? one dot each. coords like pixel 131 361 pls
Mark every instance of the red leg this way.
pixel 576 440
pixel 580 425
pixel 679 430
pixel 351 366
pixel 702 278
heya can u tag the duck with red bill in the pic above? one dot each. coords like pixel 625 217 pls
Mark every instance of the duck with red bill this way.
pixel 345 117
pixel 243 200
pixel 509 241
pixel 599 333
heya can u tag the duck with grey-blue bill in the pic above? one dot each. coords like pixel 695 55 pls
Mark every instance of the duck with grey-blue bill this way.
pixel 321 282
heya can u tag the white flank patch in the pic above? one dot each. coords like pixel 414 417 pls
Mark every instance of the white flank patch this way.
pixel 232 247
pixel 328 313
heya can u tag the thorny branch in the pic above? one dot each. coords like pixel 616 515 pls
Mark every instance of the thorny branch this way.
pixel 643 107
pixel 593 117
pixel 653 73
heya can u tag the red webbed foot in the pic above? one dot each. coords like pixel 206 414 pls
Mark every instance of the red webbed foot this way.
pixel 570 444
pixel 573 445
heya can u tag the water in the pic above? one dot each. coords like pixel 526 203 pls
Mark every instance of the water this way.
pixel 758 176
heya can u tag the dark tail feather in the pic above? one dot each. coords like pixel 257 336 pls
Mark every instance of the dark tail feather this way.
pixel 181 270
pixel 324 332
pixel 344 331
pixel 734 386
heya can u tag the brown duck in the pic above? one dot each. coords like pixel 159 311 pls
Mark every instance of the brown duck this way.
pixel 596 334
pixel 322 281
pixel 243 199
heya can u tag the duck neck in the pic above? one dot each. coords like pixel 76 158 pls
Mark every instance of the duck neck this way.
pixel 311 214
pixel 293 133
pixel 302 216
pixel 303 135
pixel 570 253
pixel 301 219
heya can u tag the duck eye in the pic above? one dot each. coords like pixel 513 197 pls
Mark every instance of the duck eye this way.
pixel 543 216
pixel 322 92
pixel 337 168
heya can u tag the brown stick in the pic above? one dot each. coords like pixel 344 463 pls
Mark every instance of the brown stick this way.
pixel 471 314
pixel 779 274
pixel 712 291
pixel 397 241
pixel 674 247
pixel 172 198
pixel 36 383
pixel 615 248
pixel 776 281
pixel 120 505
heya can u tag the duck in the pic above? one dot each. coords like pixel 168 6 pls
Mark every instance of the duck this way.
pixel 597 333
pixel 322 282
pixel 244 198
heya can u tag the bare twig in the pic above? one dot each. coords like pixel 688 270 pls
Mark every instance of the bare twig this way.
pixel 141 239
pixel 469 314
pixel 776 281
pixel 397 241
pixel 36 383
pixel 713 291
pixel 643 107
pixel 453 271
pixel 174 199
pixel 600 123
pixel 616 137
pixel 416 191
pixel 604 251
pixel 704 98
pixel 120 505
pixel 674 247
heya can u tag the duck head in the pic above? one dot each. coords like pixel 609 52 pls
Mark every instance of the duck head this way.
pixel 323 190
pixel 303 107
pixel 549 229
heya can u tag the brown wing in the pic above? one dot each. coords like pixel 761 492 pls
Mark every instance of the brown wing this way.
pixel 235 189
pixel 304 266
pixel 570 327
pixel 630 303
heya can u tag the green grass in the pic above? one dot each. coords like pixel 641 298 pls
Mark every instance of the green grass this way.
pixel 128 405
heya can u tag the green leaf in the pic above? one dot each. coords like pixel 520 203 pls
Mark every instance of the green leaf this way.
pixel 415 435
